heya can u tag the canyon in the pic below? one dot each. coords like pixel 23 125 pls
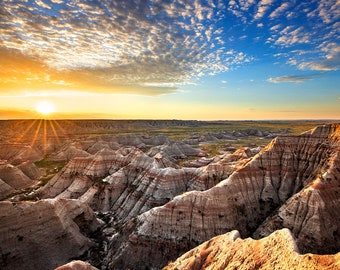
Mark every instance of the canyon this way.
pixel 115 196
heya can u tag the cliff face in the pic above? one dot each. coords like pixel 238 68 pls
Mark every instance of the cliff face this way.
pixel 128 182
pixel 313 213
pixel 289 167
pixel 229 251
pixel 44 234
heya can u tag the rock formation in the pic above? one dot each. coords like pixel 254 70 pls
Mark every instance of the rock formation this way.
pixel 13 176
pixel 16 153
pixel 30 169
pixel 77 265
pixel 5 190
pixel 229 251
pixel 154 208
pixel 289 166
pixel 128 182
pixel 44 234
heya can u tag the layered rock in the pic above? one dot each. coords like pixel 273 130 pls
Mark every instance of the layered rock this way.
pixel 16 153
pixel 44 234
pixel 30 169
pixel 13 176
pixel 175 150
pixel 128 182
pixel 313 213
pixel 243 201
pixel 229 251
pixel 77 265
pixel 5 190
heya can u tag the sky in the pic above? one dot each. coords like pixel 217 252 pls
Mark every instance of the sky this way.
pixel 170 59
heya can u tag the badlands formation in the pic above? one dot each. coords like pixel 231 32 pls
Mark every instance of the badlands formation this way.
pixel 94 194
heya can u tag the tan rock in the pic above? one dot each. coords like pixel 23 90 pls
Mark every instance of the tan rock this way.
pixel 229 251
pixel 287 166
pixel 5 190
pixel 44 234
pixel 77 265
pixel 13 176
pixel 30 169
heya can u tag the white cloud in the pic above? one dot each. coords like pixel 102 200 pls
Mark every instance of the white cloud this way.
pixel 131 43
pixel 279 10
pixel 262 7
pixel 293 78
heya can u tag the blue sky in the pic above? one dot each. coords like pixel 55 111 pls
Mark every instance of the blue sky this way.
pixel 200 59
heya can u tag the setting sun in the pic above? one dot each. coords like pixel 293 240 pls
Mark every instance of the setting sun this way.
pixel 45 107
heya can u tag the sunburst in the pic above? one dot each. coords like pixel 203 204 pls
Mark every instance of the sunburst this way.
pixel 45 107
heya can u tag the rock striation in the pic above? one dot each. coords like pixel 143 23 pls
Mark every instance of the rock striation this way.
pixel 77 265
pixel 288 169
pixel 16 153
pixel 13 176
pixel 44 234
pixel 128 182
pixel 229 251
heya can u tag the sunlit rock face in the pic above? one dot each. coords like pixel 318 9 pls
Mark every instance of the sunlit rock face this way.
pixel 77 265
pixel 44 234
pixel 285 174
pixel 229 251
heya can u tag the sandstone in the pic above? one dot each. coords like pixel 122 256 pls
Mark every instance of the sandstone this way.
pixel 13 176
pixel 44 234
pixel 175 150
pixel 77 265
pixel 30 169
pixel 16 153
pixel 5 190
pixel 68 153
pixel 229 251
pixel 313 214
pixel 243 201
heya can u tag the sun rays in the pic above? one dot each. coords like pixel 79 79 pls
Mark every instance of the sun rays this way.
pixel 43 135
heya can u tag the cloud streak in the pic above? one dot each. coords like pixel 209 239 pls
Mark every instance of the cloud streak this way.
pixel 293 78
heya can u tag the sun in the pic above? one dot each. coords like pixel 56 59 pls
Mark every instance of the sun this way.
pixel 45 107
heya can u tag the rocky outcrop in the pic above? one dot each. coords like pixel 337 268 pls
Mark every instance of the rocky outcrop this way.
pixel 13 176
pixel 128 182
pixel 16 153
pixel 44 234
pixel 77 265
pixel 313 213
pixel 30 169
pixel 5 190
pixel 175 150
pixel 288 166
pixel 229 251
pixel 68 152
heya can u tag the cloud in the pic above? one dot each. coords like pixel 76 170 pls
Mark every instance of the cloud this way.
pixel 279 10
pixel 293 78
pixel 323 65
pixel 120 45
pixel 263 6
pixel 30 74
